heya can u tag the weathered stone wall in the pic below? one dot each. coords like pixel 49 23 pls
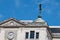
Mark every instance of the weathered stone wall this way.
pixel 20 33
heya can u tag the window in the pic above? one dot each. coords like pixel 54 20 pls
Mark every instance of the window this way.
pixel 32 34
pixel 37 35
pixel 27 34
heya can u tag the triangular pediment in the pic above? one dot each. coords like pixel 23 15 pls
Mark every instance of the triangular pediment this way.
pixel 11 22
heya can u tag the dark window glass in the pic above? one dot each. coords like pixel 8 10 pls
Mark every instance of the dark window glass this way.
pixel 32 34
pixel 27 34
pixel 55 30
pixel 37 35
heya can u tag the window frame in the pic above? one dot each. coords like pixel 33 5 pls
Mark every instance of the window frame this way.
pixel 37 35
pixel 27 35
pixel 33 34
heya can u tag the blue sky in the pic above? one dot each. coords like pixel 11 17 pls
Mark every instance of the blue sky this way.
pixel 28 9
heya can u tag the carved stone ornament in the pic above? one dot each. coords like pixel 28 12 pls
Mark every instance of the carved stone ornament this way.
pixel 10 35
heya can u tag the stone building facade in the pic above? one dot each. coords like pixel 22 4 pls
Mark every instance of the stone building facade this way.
pixel 38 29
